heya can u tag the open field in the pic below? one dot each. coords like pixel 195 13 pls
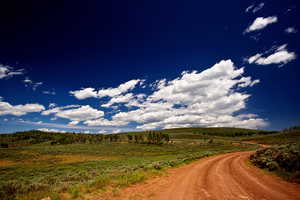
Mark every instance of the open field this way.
pixel 35 164
pixel 32 171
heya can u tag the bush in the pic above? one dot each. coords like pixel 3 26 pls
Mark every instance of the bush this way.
pixel 4 145
pixel 285 159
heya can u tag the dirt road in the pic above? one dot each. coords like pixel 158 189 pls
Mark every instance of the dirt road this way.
pixel 221 177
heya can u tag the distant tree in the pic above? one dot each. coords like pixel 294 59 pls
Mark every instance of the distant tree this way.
pixel 129 137
pixel 150 138
pixel 167 137
pixel 141 138
pixel 136 139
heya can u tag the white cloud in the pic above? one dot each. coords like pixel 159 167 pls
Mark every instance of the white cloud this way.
pixel 30 83
pixel 258 7
pixel 51 130
pixel 117 131
pixel 109 92
pixel 7 71
pixel 27 80
pixel 260 23
pixel 123 88
pixel 52 105
pixel 246 81
pixel 280 55
pixel 87 132
pixel 255 8
pixel 49 92
pixel 55 109
pixel 84 93
pixel 102 131
pixel 35 85
pixel 119 99
pixel 18 110
pixel 73 122
pixel 249 8
pixel 252 59
pixel 75 113
pixel 105 122
pixel 290 30
pixel 207 98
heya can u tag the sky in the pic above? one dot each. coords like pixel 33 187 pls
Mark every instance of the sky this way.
pixel 116 66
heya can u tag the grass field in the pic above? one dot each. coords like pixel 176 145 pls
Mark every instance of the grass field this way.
pixel 37 169
pixel 278 138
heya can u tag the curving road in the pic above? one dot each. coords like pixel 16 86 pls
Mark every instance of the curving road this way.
pixel 222 177
pixel 229 177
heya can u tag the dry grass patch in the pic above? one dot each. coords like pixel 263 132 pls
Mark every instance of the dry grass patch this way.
pixel 6 163
pixel 65 159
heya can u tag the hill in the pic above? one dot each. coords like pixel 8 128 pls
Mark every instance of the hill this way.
pixel 36 136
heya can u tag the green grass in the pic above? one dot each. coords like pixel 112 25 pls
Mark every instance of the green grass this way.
pixel 34 171
pixel 277 138
pixel 35 164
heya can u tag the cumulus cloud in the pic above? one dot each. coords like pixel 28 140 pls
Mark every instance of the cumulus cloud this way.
pixel 123 88
pixel 261 23
pixel 18 110
pixel 109 92
pixel 118 99
pixel 7 71
pixel 208 98
pixel 280 55
pixel 84 93
pixel 75 113
pixel 290 30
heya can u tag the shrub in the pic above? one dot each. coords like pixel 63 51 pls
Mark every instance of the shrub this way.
pixel 285 159
pixel 4 145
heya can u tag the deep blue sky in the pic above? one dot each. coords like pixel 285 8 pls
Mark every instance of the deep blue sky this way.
pixel 69 45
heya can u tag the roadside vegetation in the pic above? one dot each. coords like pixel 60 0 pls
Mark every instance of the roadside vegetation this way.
pixel 283 156
pixel 283 160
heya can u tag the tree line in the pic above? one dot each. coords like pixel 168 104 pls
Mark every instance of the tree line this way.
pixel 35 137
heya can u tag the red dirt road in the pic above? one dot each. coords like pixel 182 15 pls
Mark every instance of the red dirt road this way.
pixel 219 177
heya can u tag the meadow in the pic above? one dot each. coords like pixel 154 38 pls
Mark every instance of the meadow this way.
pixel 36 164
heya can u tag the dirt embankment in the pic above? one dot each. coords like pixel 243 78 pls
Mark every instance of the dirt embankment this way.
pixel 221 177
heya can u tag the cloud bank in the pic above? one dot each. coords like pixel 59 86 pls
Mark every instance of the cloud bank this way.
pixel 212 98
